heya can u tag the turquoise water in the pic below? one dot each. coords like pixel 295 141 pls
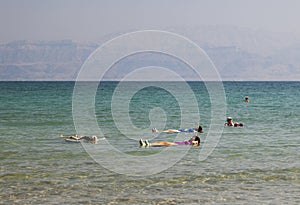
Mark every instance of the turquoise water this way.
pixel 258 163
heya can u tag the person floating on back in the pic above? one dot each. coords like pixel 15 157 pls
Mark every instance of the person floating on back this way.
pixel 85 138
pixel 196 129
pixel 193 141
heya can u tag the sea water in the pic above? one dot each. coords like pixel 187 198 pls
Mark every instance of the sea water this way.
pixel 258 163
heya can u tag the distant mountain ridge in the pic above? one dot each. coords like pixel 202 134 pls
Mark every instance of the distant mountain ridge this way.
pixel 239 54
pixel 44 60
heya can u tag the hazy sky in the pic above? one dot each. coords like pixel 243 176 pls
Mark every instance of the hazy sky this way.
pixel 89 20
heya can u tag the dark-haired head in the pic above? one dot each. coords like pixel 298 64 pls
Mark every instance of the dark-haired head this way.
pixel 197 139
pixel 200 130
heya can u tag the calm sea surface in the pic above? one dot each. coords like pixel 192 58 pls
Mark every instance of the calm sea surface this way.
pixel 258 163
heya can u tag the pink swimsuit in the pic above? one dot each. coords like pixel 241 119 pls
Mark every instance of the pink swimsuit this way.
pixel 185 142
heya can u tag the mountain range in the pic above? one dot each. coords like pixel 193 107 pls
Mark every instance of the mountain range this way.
pixel 238 54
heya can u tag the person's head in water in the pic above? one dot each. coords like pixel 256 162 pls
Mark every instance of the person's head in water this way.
pixel 200 130
pixel 196 141
pixel 229 119
pixel 229 122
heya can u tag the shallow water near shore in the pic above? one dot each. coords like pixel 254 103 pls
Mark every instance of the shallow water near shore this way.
pixel 257 163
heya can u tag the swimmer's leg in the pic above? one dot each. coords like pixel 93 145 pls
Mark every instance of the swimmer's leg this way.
pixel 142 143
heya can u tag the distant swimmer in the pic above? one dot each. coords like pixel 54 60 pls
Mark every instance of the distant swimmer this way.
pixel 196 129
pixel 229 122
pixel 193 141
pixel 92 139
pixel 246 99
